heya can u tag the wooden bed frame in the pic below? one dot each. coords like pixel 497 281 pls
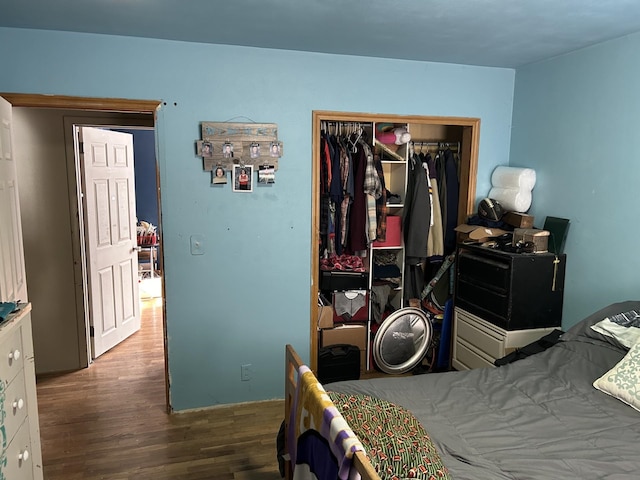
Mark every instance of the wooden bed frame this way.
pixel 292 364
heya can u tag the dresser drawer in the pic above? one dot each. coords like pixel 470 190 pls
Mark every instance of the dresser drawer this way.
pixel 469 358
pixel 15 408
pixel 18 455
pixel 482 338
pixel 474 297
pixel 492 273
pixel 11 356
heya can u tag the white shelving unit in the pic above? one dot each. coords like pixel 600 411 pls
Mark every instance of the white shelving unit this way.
pixel 394 167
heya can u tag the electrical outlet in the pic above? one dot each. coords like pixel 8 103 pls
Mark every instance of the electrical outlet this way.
pixel 245 372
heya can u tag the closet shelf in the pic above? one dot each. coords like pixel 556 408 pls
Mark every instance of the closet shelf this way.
pixel 395 156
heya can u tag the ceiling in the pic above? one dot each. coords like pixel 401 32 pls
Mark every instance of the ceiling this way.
pixel 497 33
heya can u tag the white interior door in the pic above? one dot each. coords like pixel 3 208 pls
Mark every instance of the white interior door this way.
pixel 107 172
pixel 13 283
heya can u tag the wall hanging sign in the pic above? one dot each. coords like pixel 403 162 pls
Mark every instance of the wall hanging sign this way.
pixel 227 145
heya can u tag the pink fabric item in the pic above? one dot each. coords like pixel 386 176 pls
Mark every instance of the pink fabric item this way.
pixel 386 137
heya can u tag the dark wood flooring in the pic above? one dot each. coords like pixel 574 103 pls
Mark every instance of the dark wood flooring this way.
pixel 109 421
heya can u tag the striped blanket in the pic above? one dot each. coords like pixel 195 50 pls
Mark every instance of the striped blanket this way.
pixel 321 442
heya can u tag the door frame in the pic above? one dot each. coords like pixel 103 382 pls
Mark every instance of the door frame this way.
pixel 113 105
pixel 466 200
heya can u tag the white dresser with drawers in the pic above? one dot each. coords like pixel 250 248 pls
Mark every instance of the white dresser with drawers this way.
pixel 19 429
pixel 478 343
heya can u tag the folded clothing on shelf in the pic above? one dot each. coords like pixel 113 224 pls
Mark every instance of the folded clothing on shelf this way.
pixel 345 262
pixel 6 308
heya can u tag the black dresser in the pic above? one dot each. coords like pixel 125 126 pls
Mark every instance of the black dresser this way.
pixel 513 291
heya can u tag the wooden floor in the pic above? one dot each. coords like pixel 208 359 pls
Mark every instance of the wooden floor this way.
pixel 109 421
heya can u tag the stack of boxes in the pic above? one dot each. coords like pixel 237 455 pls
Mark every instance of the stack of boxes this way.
pixel 343 333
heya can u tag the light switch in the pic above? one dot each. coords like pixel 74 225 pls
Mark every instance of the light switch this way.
pixel 197 244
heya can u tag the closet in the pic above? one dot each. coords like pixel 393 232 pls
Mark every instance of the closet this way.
pixel 364 260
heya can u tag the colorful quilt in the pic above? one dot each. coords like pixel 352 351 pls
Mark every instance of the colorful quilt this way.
pixel 397 444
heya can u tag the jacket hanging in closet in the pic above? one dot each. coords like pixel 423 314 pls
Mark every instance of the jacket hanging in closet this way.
pixel 435 243
pixel 452 199
pixel 417 213
pixel 416 226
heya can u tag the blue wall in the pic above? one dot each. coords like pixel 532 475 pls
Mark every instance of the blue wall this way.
pixel 248 294
pixel 576 122
pixel 144 152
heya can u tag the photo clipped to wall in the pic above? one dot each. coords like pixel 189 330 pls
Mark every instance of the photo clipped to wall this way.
pixel 266 174
pixel 219 175
pixel 243 178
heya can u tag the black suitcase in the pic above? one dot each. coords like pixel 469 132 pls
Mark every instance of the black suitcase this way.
pixel 338 362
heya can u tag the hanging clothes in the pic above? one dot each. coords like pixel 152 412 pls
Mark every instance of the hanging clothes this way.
pixel 336 195
pixel 349 188
pixel 346 179
pixel 417 213
pixel 381 203
pixel 325 200
pixel 442 188
pixel 435 243
pixel 358 223
pixel 452 198
pixel 372 187
pixel 416 226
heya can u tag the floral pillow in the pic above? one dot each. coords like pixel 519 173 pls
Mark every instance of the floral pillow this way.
pixel 623 380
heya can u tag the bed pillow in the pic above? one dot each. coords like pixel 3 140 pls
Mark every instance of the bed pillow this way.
pixel 395 442
pixel 623 327
pixel 623 380
pixel 582 330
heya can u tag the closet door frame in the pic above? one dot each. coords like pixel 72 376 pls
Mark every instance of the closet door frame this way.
pixel 468 174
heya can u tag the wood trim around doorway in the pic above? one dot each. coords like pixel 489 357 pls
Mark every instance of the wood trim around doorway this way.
pixel 81 103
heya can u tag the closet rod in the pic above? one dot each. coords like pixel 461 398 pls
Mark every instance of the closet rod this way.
pixel 338 127
pixel 450 145
pixel 350 124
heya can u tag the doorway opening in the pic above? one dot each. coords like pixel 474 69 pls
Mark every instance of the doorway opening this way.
pixel 66 329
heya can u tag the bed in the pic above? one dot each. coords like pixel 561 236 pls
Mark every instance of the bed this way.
pixel 537 418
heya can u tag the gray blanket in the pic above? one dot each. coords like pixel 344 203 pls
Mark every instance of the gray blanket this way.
pixel 537 418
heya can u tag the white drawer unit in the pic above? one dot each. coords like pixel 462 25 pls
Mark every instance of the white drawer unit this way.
pixel 478 343
pixel 19 428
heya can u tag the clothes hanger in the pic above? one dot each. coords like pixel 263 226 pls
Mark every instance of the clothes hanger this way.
pixel 354 143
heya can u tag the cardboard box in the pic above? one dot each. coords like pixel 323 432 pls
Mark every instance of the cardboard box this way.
pixel 540 238
pixel 350 334
pixel 518 220
pixel 477 233
pixel 325 316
